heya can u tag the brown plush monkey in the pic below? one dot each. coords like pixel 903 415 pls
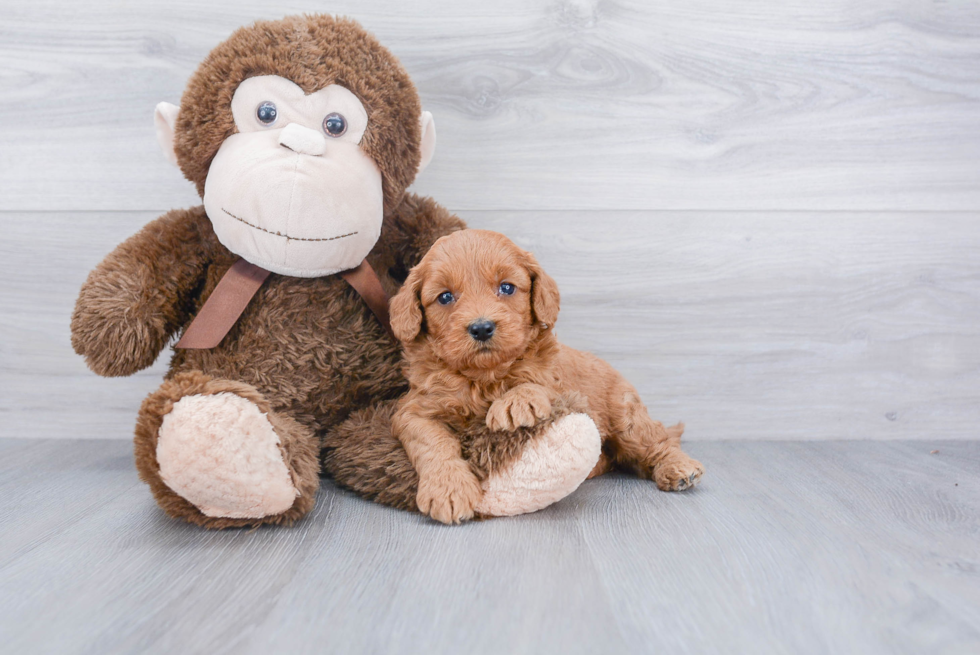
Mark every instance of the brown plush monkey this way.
pixel 301 136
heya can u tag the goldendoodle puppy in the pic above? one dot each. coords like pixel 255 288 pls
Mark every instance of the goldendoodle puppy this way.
pixel 475 318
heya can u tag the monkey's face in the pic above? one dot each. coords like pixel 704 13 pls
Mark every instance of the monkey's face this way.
pixel 297 171
pixel 292 191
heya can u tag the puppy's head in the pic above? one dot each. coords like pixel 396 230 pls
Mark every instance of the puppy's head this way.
pixel 477 299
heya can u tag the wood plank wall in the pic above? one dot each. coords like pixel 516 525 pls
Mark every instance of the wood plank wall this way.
pixel 764 213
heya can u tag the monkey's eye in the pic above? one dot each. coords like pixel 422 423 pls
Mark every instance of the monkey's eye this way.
pixel 266 113
pixel 445 298
pixel 334 124
pixel 507 289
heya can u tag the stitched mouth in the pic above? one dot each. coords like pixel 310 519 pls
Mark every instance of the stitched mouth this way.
pixel 285 236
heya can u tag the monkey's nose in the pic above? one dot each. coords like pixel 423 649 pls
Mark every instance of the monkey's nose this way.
pixel 302 140
pixel 481 329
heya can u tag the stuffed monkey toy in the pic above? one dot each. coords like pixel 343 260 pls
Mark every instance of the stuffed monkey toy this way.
pixel 301 136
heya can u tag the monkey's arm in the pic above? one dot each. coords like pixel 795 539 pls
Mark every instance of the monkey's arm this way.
pixel 413 227
pixel 139 296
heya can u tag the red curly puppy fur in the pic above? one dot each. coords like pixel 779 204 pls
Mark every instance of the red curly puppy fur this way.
pixel 475 318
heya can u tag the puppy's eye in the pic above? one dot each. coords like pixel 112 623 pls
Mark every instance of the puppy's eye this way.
pixel 507 289
pixel 445 298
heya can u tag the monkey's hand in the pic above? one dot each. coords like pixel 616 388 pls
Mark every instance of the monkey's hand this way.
pixel 134 301
pixel 522 406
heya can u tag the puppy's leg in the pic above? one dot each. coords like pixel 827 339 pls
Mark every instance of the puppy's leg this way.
pixel 645 446
pixel 448 487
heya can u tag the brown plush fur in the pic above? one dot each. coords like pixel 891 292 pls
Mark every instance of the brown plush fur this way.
pixel 307 350
pixel 511 380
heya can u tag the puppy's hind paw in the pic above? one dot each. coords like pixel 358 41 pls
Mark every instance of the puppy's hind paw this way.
pixel 678 474
pixel 688 482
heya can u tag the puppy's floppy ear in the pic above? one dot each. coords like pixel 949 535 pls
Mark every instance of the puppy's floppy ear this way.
pixel 545 298
pixel 406 307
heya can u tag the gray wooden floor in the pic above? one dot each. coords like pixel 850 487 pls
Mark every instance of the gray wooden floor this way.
pixel 819 547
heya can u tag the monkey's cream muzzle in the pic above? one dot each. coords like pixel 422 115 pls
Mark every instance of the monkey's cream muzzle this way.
pixel 295 202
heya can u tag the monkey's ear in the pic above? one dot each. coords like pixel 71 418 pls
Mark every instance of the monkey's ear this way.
pixel 428 144
pixel 164 119
pixel 406 307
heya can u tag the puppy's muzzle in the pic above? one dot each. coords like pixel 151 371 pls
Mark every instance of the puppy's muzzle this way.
pixel 481 329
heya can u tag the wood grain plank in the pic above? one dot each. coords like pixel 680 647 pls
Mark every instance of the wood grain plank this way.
pixel 744 325
pixel 780 521
pixel 786 547
pixel 576 104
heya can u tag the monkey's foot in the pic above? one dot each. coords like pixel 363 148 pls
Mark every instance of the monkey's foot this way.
pixel 221 453
pixel 551 466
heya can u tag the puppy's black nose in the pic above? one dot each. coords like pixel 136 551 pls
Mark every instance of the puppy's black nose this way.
pixel 481 329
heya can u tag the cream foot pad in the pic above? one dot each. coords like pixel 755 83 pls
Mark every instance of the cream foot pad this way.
pixel 552 466
pixel 221 453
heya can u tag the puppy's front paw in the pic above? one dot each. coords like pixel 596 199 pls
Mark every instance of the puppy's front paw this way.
pixel 522 406
pixel 449 494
